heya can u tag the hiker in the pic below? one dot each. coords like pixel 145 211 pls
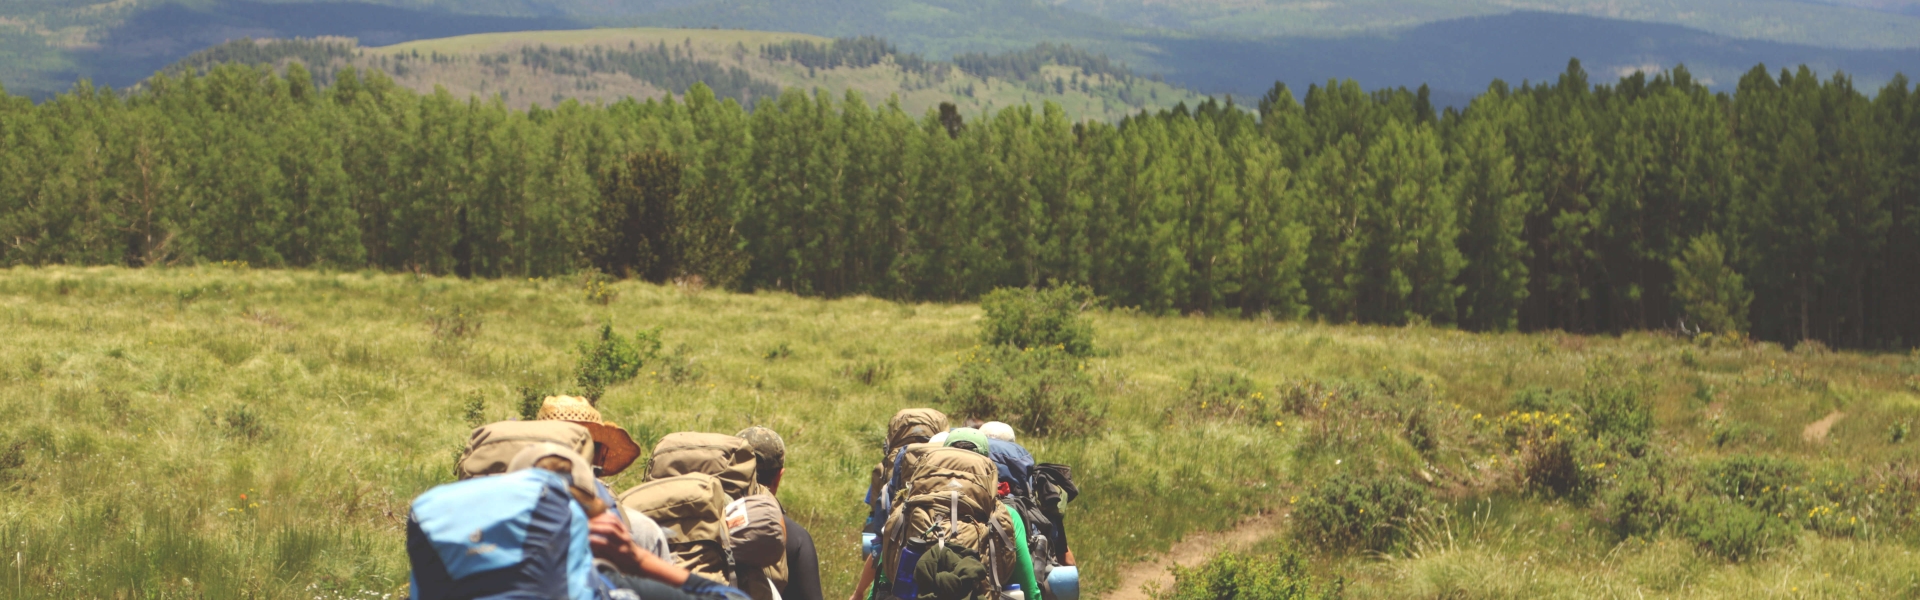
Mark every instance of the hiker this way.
pixel 613 451
pixel 946 504
pixel 907 427
pixel 803 563
pixel 520 532
pixel 705 489
pixel 1034 491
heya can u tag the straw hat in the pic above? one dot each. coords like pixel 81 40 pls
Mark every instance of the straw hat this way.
pixel 620 450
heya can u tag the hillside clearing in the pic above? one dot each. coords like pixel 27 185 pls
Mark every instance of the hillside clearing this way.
pixel 274 424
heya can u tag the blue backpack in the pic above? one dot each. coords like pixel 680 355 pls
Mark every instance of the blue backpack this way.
pixel 512 536
pixel 1015 464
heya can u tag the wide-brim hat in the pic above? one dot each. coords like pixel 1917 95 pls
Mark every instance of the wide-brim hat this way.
pixel 620 449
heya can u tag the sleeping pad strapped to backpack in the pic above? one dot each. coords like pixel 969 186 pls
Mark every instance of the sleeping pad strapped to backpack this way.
pixel 949 499
pixel 721 522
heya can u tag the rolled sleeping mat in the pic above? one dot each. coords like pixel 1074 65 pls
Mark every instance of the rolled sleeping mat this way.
pixel 1064 581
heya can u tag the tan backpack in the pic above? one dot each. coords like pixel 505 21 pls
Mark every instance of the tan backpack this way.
pixel 729 462
pixel 951 497
pixel 723 456
pixel 692 510
pixel 490 447
pixel 909 426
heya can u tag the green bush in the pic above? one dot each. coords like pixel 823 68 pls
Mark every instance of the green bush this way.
pixel 1637 503
pixel 1040 390
pixel 1541 400
pixel 613 359
pixel 1367 513
pixel 1762 482
pixel 1732 530
pixel 1038 318
pixel 1235 576
pixel 1227 395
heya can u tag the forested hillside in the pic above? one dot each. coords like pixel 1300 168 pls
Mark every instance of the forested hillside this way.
pixel 606 65
pixel 1213 46
pixel 1790 209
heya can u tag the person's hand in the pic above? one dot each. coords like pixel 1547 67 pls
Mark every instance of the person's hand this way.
pixel 610 540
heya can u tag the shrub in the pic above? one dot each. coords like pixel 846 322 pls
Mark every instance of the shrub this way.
pixel 455 325
pixel 1041 390
pixel 1732 530
pixel 1550 449
pixel 1235 576
pixel 530 400
pixel 1030 318
pixel 1541 400
pixel 1637 504
pixel 1368 513
pixel 613 359
pixel 475 411
pixel 1762 482
pixel 1227 395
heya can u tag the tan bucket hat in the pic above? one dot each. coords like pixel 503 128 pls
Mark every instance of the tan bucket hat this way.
pixel 613 448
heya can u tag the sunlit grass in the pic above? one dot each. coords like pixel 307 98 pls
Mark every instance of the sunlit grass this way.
pixel 140 406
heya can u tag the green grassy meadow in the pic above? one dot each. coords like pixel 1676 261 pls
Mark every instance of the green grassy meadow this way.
pixel 221 432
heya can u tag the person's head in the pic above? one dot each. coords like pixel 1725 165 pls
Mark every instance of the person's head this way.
pixel 613 449
pixel 995 430
pixel 769 455
pixel 569 465
pixel 939 439
pixel 968 438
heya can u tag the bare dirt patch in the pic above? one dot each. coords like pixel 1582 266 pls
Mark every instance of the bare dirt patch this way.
pixel 1191 551
pixel 1816 432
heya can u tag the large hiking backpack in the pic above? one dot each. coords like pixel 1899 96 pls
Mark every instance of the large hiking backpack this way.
pixel 515 535
pixel 726 457
pixel 909 426
pixel 948 499
pixel 490 447
pixel 691 480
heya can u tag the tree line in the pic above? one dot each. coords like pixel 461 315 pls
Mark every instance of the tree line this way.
pixel 1789 208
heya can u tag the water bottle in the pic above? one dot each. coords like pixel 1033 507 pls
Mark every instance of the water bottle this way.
pixel 1014 593
pixel 869 544
pixel 904 587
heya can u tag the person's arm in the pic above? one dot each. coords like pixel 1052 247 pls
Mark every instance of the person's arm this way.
pixel 866 579
pixel 803 565
pixel 611 541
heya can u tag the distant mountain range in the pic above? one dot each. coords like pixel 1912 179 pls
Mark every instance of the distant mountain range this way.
pixel 1215 46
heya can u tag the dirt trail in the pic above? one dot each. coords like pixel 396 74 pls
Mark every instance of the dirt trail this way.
pixel 1192 550
pixel 1816 431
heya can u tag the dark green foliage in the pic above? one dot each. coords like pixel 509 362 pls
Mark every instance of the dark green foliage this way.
pixel 850 52
pixel 475 412
pixel 1283 575
pixel 1030 318
pixel 1369 513
pixel 1732 530
pixel 317 54
pixel 1042 390
pixel 1637 501
pixel 613 359
pixel 1711 295
pixel 1791 208
pixel 1229 395
pixel 530 401
pixel 1765 483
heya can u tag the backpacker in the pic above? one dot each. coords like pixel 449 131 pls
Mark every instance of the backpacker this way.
pixel 948 499
pixel 692 479
pixel 515 535
pixel 909 426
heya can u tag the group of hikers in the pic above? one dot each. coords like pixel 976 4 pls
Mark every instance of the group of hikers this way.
pixel 954 514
